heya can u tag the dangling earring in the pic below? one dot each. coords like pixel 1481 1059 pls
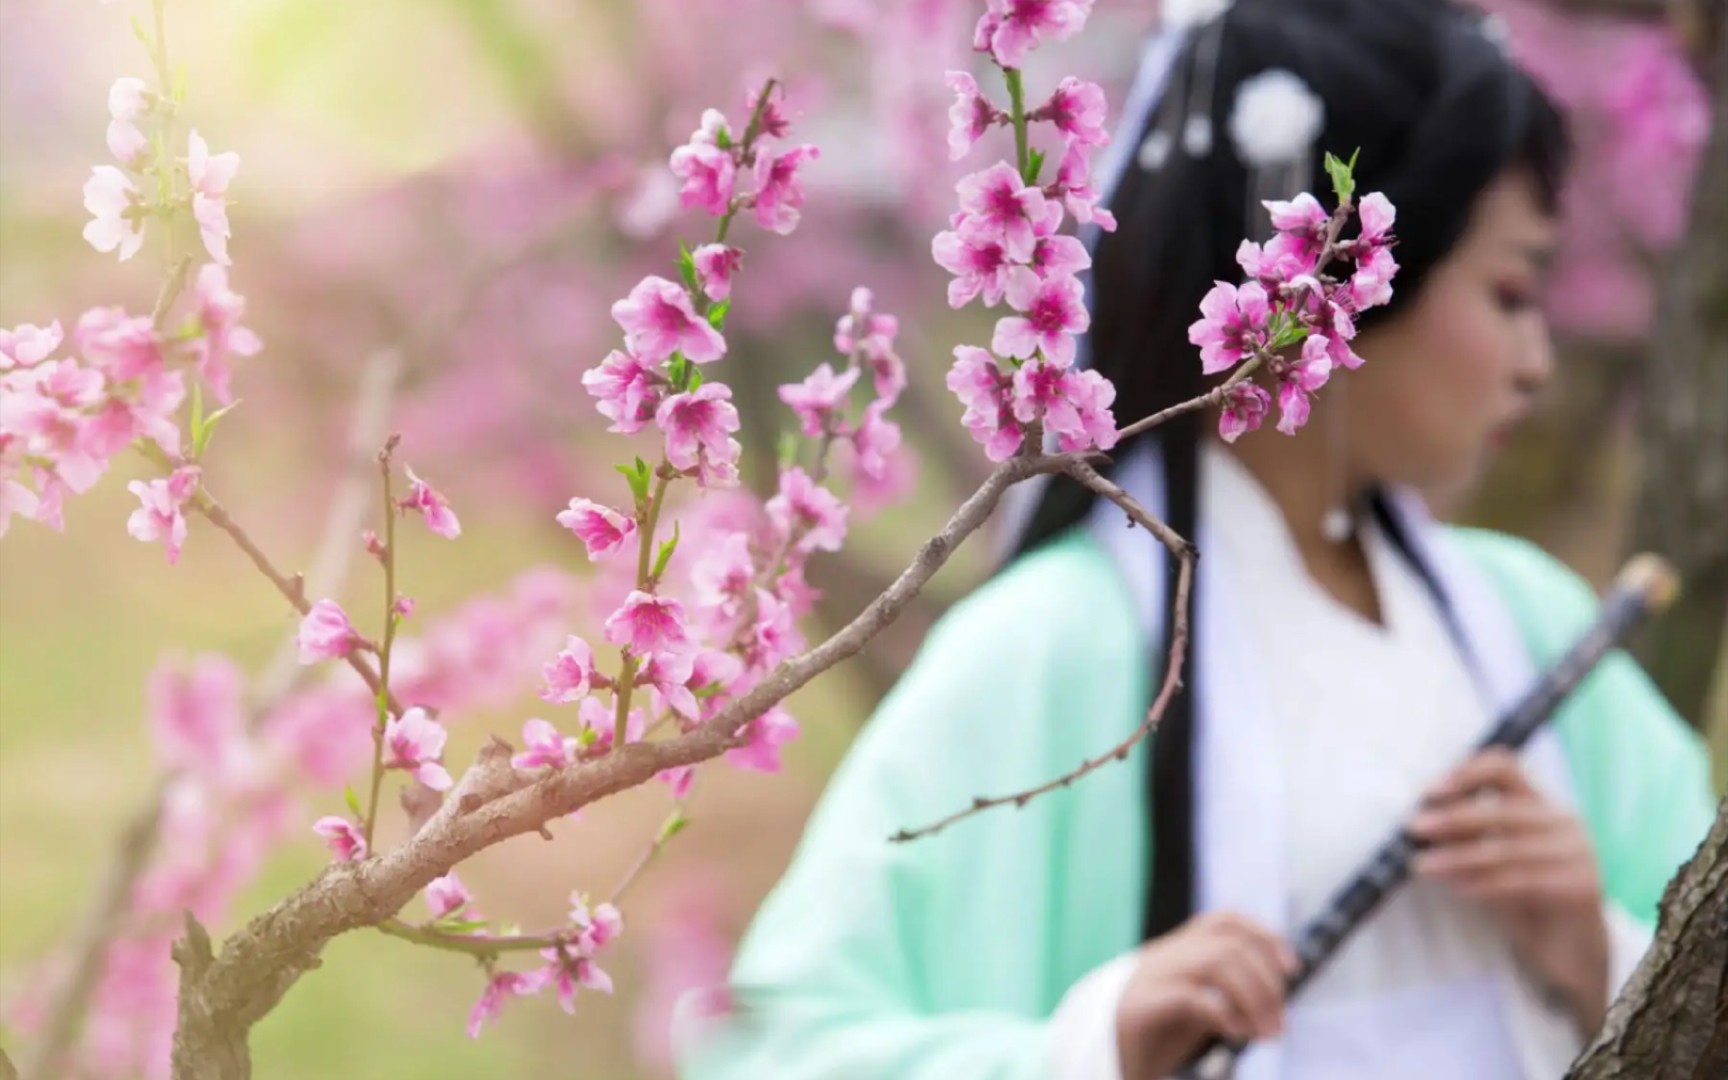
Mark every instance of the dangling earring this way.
pixel 1338 523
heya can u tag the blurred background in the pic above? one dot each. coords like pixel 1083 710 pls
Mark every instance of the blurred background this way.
pixel 437 203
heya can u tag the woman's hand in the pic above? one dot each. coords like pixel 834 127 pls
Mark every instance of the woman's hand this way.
pixel 1494 838
pixel 1215 975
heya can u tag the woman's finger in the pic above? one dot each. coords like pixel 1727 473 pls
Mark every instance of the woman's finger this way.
pixel 1208 1011
pixel 1254 989
pixel 1254 935
pixel 1490 853
pixel 1495 768
pixel 1526 886
pixel 1465 819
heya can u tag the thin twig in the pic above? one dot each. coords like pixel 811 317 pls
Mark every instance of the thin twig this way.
pixel 674 823
pixel 294 589
pixel 382 691
pixel 1211 399
pixel 333 557
pixel 481 945
pixel 1186 554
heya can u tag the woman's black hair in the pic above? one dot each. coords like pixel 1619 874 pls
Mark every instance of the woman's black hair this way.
pixel 1436 111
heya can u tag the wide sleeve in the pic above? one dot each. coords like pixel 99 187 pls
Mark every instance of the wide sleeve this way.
pixel 935 959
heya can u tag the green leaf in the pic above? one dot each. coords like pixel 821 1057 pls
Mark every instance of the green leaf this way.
pixel 667 547
pixel 1291 333
pixel 696 379
pixel 353 801
pixel 1034 166
pixel 637 475
pixel 710 689
pixel 675 824
pixel 587 737
pixel 717 314
pixel 675 371
pixel 786 451
pixel 179 91
pixel 687 266
pixel 202 439
pixel 142 34
pixel 1343 174
pixel 723 138
pixel 197 419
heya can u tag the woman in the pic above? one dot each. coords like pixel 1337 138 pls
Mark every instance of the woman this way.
pixel 1347 651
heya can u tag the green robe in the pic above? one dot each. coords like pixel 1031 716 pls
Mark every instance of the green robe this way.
pixel 943 959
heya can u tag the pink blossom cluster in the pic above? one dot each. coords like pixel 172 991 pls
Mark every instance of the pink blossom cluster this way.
pixel 718 157
pixel 679 664
pixel 1290 299
pixel 1004 244
pixel 1638 115
pixel 122 198
pixel 873 459
pixel 1010 29
pixel 671 329
pixel 64 419
pixel 569 964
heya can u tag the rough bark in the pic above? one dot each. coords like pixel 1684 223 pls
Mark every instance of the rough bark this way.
pixel 1683 497
pixel 1671 1022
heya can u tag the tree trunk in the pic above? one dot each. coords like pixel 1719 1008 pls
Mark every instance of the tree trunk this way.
pixel 1683 496
pixel 1671 1022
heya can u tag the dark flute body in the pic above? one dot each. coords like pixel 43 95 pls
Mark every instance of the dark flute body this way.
pixel 1644 587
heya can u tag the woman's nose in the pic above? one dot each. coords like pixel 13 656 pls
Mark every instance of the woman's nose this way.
pixel 1536 357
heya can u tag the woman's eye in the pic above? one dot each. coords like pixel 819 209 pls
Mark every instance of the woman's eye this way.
pixel 1513 299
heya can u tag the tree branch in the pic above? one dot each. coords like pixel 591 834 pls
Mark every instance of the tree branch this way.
pixel 1671 1020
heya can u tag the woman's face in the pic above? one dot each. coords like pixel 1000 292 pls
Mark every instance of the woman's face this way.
pixel 1447 379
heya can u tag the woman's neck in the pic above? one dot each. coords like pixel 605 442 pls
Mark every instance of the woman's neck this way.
pixel 1301 477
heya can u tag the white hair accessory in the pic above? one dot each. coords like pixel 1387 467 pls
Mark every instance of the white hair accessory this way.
pixel 1276 119
pixel 1187 14
pixel 1275 123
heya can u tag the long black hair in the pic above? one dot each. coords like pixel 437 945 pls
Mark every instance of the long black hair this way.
pixel 1425 93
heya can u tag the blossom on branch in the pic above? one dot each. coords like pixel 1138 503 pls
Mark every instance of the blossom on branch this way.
pixel 219 310
pixel 342 837
pixel 818 398
pixel 647 623
pixel 1077 109
pixel 414 742
pixel 568 675
pixel 500 987
pixel 715 264
pixel 659 320
pixel 128 99
pixel 162 515
pixel 326 633
pixel 602 530
pixel 1009 29
pixel 546 746
pixel 116 212
pixel 970 116
pixel 210 175
pixel 447 896
pixel 1054 313
pixel 628 391
pixel 432 506
pixel 779 194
